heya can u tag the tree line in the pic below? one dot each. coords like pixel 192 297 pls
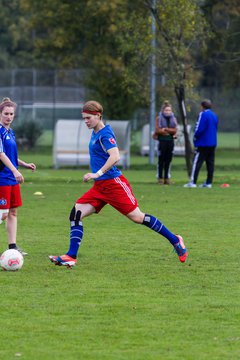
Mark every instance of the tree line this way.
pixel 197 44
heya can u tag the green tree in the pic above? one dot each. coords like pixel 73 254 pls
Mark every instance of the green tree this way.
pixel 86 35
pixel 15 40
pixel 222 55
pixel 182 31
pixel 111 40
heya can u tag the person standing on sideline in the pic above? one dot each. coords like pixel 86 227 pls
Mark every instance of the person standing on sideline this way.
pixel 110 187
pixel 10 177
pixel 205 142
pixel 165 131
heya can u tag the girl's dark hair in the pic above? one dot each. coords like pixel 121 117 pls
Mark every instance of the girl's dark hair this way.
pixel 206 104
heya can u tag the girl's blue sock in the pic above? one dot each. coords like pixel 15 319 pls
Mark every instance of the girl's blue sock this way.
pixel 154 224
pixel 76 235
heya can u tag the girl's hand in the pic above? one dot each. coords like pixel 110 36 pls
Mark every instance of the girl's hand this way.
pixel 31 166
pixel 90 176
pixel 18 176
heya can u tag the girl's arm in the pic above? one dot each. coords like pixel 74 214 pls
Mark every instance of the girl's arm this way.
pixel 26 165
pixel 159 130
pixel 7 162
pixel 111 161
pixel 171 131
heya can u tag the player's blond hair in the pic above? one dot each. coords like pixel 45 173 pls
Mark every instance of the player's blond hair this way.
pixel 93 105
pixel 166 104
pixel 7 102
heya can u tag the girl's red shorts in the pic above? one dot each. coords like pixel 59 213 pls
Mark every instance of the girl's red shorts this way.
pixel 116 192
pixel 10 196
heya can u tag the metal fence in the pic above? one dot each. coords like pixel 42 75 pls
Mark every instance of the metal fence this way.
pixel 44 96
pixel 48 95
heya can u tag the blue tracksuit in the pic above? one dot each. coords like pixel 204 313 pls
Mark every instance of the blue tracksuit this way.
pixel 205 142
pixel 206 129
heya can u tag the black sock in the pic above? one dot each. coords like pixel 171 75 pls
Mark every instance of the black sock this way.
pixel 12 246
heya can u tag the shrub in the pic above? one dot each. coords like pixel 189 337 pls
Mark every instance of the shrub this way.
pixel 27 133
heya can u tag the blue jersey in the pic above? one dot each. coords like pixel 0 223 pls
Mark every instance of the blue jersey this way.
pixel 99 144
pixel 9 147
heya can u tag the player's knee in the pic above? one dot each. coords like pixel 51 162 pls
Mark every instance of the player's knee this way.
pixel 12 212
pixel 75 216
pixel 136 217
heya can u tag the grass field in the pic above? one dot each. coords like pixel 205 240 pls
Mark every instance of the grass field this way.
pixel 225 140
pixel 129 297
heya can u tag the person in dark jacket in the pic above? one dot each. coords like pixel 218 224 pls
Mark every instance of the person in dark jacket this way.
pixel 205 142
pixel 165 131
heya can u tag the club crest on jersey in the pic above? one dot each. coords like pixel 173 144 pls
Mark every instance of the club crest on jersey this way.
pixel 112 140
pixel 3 201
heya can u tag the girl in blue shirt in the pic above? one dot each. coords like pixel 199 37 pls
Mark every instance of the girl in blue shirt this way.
pixel 10 177
pixel 110 187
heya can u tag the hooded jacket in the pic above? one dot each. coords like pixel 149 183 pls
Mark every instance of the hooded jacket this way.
pixel 206 129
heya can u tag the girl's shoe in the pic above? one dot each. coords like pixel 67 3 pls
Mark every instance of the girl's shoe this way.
pixel 64 260
pixel 181 250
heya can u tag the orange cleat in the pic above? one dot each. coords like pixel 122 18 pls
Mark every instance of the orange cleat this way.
pixel 64 260
pixel 181 250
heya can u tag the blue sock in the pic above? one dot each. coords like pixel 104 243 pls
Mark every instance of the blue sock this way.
pixel 76 235
pixel 154 224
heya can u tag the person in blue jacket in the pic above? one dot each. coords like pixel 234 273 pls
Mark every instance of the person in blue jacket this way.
pixel 205 142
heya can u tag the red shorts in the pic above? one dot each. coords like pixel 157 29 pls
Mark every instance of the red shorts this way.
pixel 10 196
pixel 116 192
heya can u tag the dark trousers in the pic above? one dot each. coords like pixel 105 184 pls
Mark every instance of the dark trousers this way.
pixel 202 154
pixel 165 155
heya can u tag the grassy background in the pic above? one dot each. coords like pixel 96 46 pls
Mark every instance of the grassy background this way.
pixel 129 297
pixel 225 140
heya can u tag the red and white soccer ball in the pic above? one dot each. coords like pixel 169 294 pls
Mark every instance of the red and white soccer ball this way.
pixel 11 260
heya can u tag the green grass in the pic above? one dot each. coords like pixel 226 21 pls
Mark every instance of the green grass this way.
pixel 229 140
pixel 46 139
pixel 129 297
pixel 225 140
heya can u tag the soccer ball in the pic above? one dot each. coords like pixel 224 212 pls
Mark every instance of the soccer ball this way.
pixel 11 260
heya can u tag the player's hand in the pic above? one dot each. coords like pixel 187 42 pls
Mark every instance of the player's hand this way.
pixel 165 131
pixel 18 176
pixel 30 166
pixel 90 176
